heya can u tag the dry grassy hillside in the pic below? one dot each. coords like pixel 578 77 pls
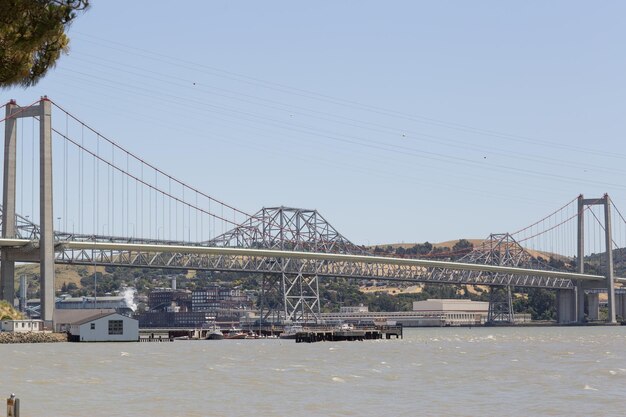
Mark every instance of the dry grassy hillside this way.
pixel 63 273
pixel 7 311
pixel 476 243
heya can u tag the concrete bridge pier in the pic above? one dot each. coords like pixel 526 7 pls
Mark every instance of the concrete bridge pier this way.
pixel 566 306
pixel 620 306
pixel 7 267
pixel 593 300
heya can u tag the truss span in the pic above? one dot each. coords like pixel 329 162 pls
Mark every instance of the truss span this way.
pixel 308 263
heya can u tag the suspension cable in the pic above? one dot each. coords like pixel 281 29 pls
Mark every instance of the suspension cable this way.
pixel 546 217
pixel 150 165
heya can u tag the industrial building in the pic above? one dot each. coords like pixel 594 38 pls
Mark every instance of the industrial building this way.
pixel 171 307
pixel 118 303
pixel 105 327
pixel 168 299
pixel 427 313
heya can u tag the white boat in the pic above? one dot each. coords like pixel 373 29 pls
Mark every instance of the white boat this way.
pixel 291 331
pixel 215 334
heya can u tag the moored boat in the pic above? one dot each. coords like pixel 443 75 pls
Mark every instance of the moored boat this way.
pixel 290 332
pixel 236 335
pixel 215 334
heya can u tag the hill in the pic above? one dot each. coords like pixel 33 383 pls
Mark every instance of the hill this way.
pixel 8 312
pixel 64 274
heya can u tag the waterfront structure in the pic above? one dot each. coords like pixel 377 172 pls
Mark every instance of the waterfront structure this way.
pixel 428 313
pixel 64 318
pixel 118 303
pixel 215 299
pixel 172 308
pixel 105 327
pixel 172 319
pixel 455 312
pixel 162 299
pixel 22 326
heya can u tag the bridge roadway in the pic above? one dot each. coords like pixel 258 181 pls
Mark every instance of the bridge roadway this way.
pixel 170 255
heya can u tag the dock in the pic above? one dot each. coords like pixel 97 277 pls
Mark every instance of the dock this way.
pixel 355 334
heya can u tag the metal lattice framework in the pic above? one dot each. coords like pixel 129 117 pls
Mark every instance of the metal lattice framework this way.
pixel 503 250
pixel 292 229
pixel 295 231
pixel 287 228
pixel 498 249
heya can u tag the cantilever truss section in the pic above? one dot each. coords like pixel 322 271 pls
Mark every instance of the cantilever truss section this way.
pixel 287 228
pixel 497 249
pixel 294 229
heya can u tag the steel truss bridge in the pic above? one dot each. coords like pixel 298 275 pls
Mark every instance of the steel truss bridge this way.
pixel 300 256
pixel 297 245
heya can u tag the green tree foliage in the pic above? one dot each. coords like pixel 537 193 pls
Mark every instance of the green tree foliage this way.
pixel 462 245
pixel 32 37
pixel 540 303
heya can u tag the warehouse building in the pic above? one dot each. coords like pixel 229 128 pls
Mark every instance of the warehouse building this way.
pixel 105 327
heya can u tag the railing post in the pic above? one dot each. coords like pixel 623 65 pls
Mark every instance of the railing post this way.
pixel 13 406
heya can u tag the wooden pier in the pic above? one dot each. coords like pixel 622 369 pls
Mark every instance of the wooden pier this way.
pixel 355 334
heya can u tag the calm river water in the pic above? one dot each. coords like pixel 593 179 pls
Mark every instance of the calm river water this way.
pixel 551 371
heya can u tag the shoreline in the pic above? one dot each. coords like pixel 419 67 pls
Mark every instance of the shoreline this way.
pixel 30 337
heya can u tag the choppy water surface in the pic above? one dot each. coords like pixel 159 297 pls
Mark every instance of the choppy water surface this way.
pixel 432 372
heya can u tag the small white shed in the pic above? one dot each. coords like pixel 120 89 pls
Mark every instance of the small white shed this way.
pixel 105 327
pixel 22 326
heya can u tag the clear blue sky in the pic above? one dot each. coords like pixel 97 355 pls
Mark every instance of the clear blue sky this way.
pixel 399 121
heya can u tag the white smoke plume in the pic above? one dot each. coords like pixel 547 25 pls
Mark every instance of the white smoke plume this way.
pixel 129 298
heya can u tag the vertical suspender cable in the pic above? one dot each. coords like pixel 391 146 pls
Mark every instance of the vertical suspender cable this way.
pixel 112 233
pixel 81 180
pixel 141 211
pixel 65 173
pixel 169 209
pixel 32 176
pixel 21 210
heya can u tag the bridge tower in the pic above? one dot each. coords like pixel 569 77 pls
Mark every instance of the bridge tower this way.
pixel 41 111
pixel 502 250
pixel 610 284
pixel 293 229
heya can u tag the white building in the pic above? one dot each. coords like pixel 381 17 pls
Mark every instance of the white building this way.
pixel 356 309
pixel 105 327
pixel 118 303
pixel 22 326
pixel 63 319
pixel 454 312
pixel 428 313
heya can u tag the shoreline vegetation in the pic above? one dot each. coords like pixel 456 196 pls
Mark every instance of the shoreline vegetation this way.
pixel 30 337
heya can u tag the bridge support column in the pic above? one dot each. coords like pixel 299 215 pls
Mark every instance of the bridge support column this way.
pixel 594 306
pixel 620 306
pixel 610 284
pixel 580 302
pixel 566 306
pixel 46 243
pixel 7 267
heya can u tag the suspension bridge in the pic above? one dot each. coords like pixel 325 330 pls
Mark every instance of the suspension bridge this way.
pixel 110 207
